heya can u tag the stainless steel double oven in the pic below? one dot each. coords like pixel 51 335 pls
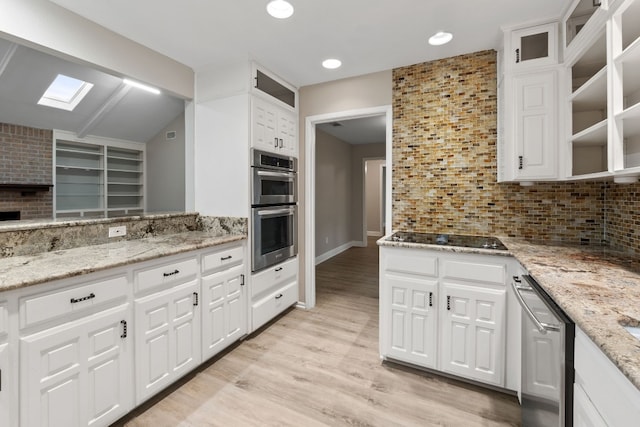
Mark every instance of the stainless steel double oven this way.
pixel 273 209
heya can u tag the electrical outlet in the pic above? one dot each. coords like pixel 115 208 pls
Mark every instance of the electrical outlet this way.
pixel 118 231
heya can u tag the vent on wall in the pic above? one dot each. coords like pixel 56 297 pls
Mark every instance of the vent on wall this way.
pixel 170 135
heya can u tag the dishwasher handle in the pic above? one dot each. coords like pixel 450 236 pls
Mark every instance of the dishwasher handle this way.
pixel 541 326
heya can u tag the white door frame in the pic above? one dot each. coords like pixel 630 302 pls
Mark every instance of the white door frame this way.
pixel 365 231
pixel 310 185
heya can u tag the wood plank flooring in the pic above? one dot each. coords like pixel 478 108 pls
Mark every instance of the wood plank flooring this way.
pixel 321 367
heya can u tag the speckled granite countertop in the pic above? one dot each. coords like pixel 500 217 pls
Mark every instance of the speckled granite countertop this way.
pixel 444 248
pixel 27 270
pixel 599 288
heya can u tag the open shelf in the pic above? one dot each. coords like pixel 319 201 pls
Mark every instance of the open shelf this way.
pixel 592 95
pixel 592 136
pixel 590 63
pixel 630 17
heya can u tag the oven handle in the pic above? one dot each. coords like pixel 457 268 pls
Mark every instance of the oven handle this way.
pixel 541 326
pixel 288 175
pixel 272 212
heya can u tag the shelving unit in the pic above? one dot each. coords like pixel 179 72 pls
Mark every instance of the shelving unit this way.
pixel 589 124
pixel 626 84
pixel 581 13
pixel 96 179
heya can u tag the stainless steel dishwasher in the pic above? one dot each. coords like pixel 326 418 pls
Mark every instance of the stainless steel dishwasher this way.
pixel 547 357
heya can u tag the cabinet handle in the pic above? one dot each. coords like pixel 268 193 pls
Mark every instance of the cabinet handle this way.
pixel 281 143
pixel 0 379
pixel 278 269
pixel 448 302
pixel 278 296
pixel 90 296
pixel 171 274
pixel 517 55
pixel 224 258
pixel 124 328
pixel 242 278
pixel 520 162
pixel 430 299
pixel 517 279
pixel 276 142
pixel 195 297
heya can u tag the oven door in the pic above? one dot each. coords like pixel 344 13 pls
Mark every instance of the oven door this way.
pixel 270 187
pixel 274 235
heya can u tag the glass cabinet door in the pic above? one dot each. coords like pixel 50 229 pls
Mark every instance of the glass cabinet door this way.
pixel 535 46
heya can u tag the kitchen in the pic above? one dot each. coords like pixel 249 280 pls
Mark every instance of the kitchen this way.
pixel 572 212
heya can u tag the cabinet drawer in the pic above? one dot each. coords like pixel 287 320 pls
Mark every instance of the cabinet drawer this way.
pixel 174 272
pixel 274 304
pixel 411 262
pixel 223 258
pixel 475 272
pixel 272 277
pixel 40 308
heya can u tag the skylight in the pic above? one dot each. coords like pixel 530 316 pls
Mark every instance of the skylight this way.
pixel 65 93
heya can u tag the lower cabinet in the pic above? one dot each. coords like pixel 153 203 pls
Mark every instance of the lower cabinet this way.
pixel 77 374
pixel 445 311
pixel 472 339
pixel 167 337
pixel 5 398
pixel 585 413
pixel 224 310
pixel 273 290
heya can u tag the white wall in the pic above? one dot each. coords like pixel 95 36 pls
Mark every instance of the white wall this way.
pixel 48 27
pixel 166 169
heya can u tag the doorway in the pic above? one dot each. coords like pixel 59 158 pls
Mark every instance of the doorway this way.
pixel 385 113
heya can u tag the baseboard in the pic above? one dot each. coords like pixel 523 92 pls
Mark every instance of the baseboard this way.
pixel 336 251
pixel 375 233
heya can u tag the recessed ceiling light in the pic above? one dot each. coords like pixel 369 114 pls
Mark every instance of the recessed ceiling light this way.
pixel 332 63
pixel 141 86
pixel 280 9
pixel 440 38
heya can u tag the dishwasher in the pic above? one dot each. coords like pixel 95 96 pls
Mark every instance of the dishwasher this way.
pixel 547 372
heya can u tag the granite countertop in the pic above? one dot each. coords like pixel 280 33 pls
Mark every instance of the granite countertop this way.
pixel 385 241
pixel 599 288
pixel 27 270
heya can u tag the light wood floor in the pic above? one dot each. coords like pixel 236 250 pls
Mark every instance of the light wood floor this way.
pixel 321 368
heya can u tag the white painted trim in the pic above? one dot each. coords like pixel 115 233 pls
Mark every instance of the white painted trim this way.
pixel 365 220
pixel 310 184
pixel 336 251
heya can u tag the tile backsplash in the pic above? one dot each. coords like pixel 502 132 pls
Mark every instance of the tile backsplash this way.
pixel 444 162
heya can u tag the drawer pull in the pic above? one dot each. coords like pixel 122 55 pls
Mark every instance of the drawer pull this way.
pixel 224 258
pixel 124 328
pixel 171 274
pixel 195 299
pixel 242 277
pixel 278 269
pixel 278 296
pixel 90 296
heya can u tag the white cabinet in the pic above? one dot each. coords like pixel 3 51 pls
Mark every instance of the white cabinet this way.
pixel 167 336
pixel 446 311
pixel 77 374
pixel 224 300
pixel 273 128
pixel 604 395
pixel 273 290
pixel 472 337
pixel 411 322
pixel 5 400
pixel 534 46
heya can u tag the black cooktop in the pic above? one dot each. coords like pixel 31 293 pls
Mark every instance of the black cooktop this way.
pixel 481 242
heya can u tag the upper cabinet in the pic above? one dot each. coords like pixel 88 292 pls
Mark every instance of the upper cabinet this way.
pixel 534 46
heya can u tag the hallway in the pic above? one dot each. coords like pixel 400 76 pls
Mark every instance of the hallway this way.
pixel 321 367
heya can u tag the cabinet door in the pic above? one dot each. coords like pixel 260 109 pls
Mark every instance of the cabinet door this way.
pixel 409 312
pixel 472 343
pixel 264 126
pixel 535 46
pixel 78 374
pixel 167 337
pixel 5 401
pixel 585 413
pixel 287 132
pixel 224 302
pixel 535 131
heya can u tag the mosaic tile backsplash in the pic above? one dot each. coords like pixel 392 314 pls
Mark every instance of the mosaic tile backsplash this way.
pixel 444 162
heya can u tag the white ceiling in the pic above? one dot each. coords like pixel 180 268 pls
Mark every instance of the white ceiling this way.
pixel 26 73
pixel 367 35
pixel 365 130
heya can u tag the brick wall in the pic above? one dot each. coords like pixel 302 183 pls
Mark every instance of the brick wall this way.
pixel 444 162
pixel 26 158
pixel 622 227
